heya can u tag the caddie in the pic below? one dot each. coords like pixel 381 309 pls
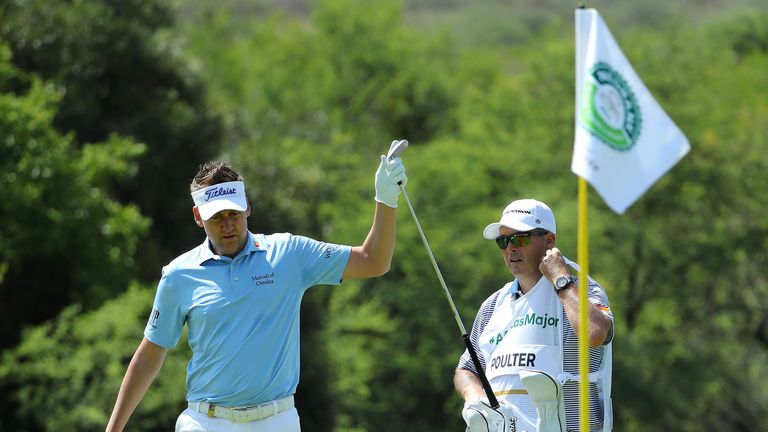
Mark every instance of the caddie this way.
pixel 239 294
pixel 525 335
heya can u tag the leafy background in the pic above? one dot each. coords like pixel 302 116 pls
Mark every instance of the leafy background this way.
pixel 108 108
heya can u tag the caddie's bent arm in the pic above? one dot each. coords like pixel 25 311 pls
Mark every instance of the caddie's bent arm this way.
pixel 599 327
pixel 552 266
pixel 468 385
pixel 144 366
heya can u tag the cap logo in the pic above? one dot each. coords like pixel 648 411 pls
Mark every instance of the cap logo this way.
pixel 213 193
pixel 221 196
pixel 522 215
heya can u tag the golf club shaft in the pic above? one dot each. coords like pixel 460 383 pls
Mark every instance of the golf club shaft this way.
pixel 434 264
pixel 470 348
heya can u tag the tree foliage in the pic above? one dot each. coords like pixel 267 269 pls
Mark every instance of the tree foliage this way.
pixel 74 365
pixel 392 340
pixel 308 105
pixel 119 71
pixel 61 227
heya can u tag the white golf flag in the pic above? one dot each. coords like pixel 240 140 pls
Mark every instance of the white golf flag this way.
pixel 624 141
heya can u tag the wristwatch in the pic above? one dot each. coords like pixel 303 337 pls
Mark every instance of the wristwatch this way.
pixel 563 282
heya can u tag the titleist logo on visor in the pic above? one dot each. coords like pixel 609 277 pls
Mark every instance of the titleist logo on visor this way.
pixel 213 193
pixel 233 192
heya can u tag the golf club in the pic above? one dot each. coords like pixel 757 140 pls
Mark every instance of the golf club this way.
pixel 395 150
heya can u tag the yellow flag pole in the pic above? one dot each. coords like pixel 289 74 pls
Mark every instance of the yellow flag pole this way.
pixel 583 259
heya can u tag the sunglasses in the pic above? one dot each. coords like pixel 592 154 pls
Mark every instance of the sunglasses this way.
pixel 519 239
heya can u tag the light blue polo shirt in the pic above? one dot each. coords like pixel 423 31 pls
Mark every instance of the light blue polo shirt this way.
pixel 242 314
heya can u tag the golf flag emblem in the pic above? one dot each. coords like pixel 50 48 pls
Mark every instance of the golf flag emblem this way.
pixel 609 109
pixel 624 141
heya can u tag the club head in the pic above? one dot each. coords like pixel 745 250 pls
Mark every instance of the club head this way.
pixel 397 147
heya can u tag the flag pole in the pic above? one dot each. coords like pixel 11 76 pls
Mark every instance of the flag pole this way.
pixel 582 248
pixel 618 161
pixel 583 259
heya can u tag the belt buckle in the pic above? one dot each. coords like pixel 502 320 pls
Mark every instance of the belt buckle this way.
pixel 211 410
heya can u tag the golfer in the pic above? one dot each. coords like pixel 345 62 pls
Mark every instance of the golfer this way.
pixel 239 294
pixel 525 337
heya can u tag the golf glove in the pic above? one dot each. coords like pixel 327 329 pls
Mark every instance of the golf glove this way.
pixel 480 417
pixel 390 172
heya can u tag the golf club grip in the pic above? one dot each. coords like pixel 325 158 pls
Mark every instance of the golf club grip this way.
pixel 481 372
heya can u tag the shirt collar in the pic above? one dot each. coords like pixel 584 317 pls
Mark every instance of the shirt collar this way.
pixel 515 290
pixel 255 243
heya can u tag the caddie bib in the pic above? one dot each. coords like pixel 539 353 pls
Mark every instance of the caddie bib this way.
pixel 527 333
pixel 523 333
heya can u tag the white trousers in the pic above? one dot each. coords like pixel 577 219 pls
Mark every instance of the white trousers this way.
pixel 193 421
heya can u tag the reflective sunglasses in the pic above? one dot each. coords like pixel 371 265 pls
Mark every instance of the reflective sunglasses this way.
pixel 518 240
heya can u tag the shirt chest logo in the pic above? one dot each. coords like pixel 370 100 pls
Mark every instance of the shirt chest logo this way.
pixel 263 279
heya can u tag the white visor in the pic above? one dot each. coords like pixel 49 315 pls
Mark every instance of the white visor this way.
pixel 222 196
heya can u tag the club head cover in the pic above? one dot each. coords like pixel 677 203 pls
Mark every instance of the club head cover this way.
pixel 480 417
pixel 547 394
pixel 475 418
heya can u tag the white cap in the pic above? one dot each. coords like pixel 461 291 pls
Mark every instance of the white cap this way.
pixel 222 196
pixel 523 215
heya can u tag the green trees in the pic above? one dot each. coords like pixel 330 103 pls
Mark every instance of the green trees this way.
pixel 695 300
pixel 97 116
pixel 307 107
pixel 311 109
pixel 73 367
pixel 119 72
pixel 65 239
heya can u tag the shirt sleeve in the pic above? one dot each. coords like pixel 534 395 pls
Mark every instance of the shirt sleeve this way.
pixel 599 298
pixel 321 263
pixel 481 320
pixel 166 320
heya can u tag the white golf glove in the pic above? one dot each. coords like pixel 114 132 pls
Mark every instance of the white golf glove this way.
pixel 547 393
pixel 390 172
pixel 480 417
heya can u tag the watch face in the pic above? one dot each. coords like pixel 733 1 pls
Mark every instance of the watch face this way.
pixel 562 282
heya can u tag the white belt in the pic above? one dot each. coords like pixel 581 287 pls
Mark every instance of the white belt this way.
pixel 243 414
